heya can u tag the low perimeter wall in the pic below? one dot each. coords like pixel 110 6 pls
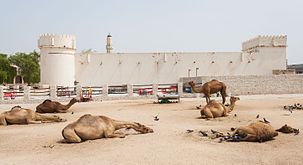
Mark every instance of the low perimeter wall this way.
pixel 251 85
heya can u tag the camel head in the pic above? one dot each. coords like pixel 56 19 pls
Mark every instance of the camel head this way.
pixel 234 99
pixel 143 129
pixel 191 83
pixel 286 129
pixel 56 118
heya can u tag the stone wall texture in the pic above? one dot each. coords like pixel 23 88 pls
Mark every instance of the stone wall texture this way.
pixel 251 85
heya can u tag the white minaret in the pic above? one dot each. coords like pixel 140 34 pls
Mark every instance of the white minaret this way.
pixel 109 48
pixel 57 59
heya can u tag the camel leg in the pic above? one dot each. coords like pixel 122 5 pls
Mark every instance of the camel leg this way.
pixel 49 118
pixel 2 120
pixel 208 113
pixel 114 135
pixel 33 122
pixel 223 93
pixel 250 138
pixel 47 121
pixel 70 136
pixel 223 98
pixel 207 99
pixel 225 112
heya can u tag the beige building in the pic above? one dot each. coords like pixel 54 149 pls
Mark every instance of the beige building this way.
pixel 61 65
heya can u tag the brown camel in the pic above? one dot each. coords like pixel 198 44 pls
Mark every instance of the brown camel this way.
pixel 49 106
pixel 288 129
pixel 18 115
pixel 256 132
pixel 209 88
pixel 89 127
pixel 214 109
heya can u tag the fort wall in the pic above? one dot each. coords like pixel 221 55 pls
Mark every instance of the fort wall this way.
pixel 61 65
pixel 253 85
pixel 167 67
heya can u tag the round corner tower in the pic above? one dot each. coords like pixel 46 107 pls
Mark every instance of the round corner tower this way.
pixel 57 59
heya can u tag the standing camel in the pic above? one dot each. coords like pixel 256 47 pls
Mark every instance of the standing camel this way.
pixel 209 88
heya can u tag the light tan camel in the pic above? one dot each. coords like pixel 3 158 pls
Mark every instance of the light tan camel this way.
pixel 209 88
pixel 256 132
pixel 18 115
pixel 214 109
pixel 49 106
pixel 89 127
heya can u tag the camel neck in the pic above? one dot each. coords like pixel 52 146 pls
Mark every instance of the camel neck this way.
pixel 121 124
pixel 70 104
pixel 231 107
pixel 196 89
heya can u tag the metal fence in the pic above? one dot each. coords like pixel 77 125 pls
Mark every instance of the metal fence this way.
pixel 91 92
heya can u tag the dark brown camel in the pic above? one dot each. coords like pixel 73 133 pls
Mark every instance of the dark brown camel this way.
pixel 49 106
pixel 209 88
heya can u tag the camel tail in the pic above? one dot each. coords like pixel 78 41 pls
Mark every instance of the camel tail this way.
pixel 70 136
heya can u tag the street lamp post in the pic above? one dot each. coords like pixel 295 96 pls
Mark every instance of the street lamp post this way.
pixel 197 71
pixel 189 72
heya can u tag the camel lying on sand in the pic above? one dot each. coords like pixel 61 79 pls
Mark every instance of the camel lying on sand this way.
pixel 49 106
pixel 256 132
pixel 214 109
pixel 209 88
pixel 18 115
pixel 89 127
pixel 288 129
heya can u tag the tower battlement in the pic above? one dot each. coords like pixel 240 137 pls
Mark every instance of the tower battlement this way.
pixel 57 41
pixel 265 41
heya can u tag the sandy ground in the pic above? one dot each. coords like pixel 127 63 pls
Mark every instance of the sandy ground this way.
pixel 169 144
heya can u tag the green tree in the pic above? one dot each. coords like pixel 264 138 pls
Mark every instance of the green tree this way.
pixel 29 65
pixel 7 72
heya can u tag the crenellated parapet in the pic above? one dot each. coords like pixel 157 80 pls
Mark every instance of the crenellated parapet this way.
pixel 57 41
pixel 265 41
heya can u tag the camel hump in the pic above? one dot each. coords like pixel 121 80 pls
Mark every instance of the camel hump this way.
pixel 16 107
pixel 47 100
pixel 85 117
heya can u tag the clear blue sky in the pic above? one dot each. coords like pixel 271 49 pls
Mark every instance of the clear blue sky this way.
pixel 152 25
